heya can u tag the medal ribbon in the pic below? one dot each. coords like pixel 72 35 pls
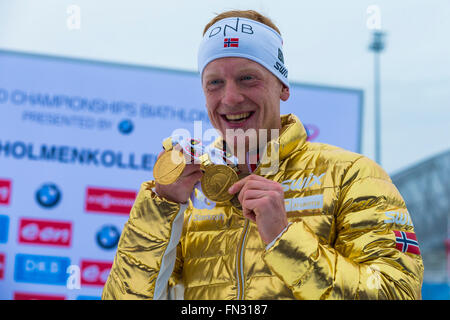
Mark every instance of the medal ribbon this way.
pixel 194 148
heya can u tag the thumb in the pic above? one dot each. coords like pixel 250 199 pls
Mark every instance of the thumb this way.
pixel 249 214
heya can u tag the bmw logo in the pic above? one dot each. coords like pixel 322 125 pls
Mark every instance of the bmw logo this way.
pixel 126 126
pixel 108 237
pixel 48 195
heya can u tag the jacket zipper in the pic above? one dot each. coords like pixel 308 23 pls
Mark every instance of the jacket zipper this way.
pixel 240 262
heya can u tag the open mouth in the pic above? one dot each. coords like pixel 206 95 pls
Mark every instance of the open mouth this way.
pixel 237 118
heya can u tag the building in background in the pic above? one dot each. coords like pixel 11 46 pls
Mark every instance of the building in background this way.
pixel 426 190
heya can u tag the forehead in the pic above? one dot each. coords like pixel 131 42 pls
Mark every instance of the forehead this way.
pixel 230 66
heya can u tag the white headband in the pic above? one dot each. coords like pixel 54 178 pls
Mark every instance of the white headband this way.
pixel 245 38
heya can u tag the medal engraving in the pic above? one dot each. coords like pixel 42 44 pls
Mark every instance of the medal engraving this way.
pixel 216 181
pixel 169 167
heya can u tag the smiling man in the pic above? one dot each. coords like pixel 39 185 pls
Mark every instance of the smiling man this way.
pixel 318 226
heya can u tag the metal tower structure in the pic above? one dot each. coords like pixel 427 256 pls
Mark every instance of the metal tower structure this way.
pixel 377 46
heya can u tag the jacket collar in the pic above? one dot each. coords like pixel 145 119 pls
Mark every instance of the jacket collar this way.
pixel 293 135
pixel 292 138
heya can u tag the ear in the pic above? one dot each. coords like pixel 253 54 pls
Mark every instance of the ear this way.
pixel 284 94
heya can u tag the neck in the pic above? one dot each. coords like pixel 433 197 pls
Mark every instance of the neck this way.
pixel 249 162
pixel 249 149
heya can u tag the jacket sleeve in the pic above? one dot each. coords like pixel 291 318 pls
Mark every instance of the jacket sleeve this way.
pixel 147 252
pixel 362 260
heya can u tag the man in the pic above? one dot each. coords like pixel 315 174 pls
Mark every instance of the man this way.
pixel 326 224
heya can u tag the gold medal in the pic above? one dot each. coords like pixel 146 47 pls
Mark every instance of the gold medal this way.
pixel 216 181
pixel 170 165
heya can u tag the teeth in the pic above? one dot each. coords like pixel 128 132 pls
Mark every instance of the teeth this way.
pixel 237 116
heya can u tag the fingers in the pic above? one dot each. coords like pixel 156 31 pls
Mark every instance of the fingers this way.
pixel 253 181
pixel 248 210
pixel 190 175
pixel 250 194
pixel 238 185
pixel 160 154
pixel 180 190
pixel 257 193
pixel 189 169
pixel 257 183
pixel 253 200
pixel 249 214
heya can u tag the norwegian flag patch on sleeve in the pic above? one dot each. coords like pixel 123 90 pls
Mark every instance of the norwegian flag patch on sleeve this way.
pixel 406 242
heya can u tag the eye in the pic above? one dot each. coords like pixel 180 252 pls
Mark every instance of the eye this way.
pixel 247 77
pixel 214 82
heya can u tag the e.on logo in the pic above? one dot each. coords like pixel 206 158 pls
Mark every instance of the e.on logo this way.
pixel 44 232
pixel 5 191
pixel 95 273
pixel 109 201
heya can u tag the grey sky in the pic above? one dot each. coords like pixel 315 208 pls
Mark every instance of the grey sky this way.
pixel 325 43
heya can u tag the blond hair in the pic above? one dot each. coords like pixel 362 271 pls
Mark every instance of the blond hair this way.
pixel 249 14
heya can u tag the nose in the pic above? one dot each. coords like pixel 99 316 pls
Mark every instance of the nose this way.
pixel 231 94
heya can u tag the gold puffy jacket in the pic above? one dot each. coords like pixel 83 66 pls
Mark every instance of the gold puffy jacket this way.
pixel 340 244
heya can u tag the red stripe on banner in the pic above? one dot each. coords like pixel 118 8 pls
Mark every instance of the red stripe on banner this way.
pixel 5 191
pixel 36 296
pixel 2 266
pixel 109 200
pixel 95 273
pixel 45 232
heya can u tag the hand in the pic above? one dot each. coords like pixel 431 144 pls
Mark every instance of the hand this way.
pixel 262 202
pixel 180 190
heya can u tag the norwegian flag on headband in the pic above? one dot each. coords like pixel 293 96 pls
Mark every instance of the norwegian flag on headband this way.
pixel 406 242
pixel 231 42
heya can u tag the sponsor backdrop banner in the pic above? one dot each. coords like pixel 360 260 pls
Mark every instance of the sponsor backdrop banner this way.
pixel 77 138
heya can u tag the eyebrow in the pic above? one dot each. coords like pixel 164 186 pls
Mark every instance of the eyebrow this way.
pixel 245 70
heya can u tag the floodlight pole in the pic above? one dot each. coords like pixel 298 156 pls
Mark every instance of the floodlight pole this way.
pixel 377 46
